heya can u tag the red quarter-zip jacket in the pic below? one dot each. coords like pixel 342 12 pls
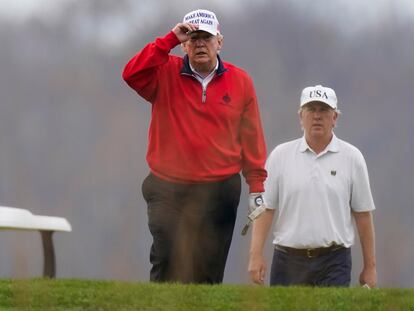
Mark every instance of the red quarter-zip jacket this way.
pixel 196 137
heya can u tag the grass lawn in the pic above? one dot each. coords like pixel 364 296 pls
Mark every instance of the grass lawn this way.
pixel 68 294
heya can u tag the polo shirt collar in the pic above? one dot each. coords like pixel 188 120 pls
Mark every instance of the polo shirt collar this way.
pixel 333 145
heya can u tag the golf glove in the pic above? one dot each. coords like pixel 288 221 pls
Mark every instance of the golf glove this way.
pixel 256 208
pixel 255 201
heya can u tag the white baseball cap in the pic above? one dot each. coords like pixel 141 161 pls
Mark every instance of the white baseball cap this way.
pixel 319 93
pixel 206 21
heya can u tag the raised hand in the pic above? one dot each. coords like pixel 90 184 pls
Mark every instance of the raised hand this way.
pixel 182 31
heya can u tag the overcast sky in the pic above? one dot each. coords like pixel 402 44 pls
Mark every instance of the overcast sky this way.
pixel 349 16
pixel 367 10
pixel 21 9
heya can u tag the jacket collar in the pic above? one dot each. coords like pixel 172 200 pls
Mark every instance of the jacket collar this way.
pixel 187 70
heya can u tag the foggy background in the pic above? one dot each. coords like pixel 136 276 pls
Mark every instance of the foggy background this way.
pixel 73 136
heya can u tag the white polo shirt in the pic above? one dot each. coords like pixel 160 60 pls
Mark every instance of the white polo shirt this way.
pixel 314 194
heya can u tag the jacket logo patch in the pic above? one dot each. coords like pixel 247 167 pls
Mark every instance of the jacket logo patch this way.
pixel 227 99
pixel 333 173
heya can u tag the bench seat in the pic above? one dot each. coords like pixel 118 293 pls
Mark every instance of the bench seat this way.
pixel 12 218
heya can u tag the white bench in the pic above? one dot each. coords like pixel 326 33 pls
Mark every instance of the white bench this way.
pixel 20 219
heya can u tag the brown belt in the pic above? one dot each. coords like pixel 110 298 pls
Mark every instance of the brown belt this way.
pixel 308 252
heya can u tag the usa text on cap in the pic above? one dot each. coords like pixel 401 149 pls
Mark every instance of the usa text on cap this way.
pixel 319 93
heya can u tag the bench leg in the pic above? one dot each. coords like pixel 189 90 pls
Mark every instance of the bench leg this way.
pixel 49 268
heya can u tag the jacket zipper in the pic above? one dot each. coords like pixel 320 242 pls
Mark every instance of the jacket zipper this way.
pixel 204 94
pixel 203 88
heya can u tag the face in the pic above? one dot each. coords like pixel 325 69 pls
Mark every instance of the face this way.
pixel 318 120
pixel 202 49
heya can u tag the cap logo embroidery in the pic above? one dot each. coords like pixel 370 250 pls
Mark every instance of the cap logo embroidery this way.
pixel 200 14
pixel 206 21
pixel 318 94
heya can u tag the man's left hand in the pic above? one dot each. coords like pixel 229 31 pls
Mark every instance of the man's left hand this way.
pixel 257 268
pixel 368 276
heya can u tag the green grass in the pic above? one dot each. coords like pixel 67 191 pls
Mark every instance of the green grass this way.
pixel 44 294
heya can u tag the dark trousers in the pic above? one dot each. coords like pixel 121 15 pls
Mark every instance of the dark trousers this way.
pixel 192 227
pixel 332 269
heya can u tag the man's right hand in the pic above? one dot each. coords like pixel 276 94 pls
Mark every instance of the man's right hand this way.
pixel 257 268
pixel 182 31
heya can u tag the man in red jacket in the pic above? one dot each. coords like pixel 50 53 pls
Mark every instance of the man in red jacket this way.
pixel 205 129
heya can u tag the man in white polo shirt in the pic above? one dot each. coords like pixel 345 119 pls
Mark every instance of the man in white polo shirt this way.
pixel 316 184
